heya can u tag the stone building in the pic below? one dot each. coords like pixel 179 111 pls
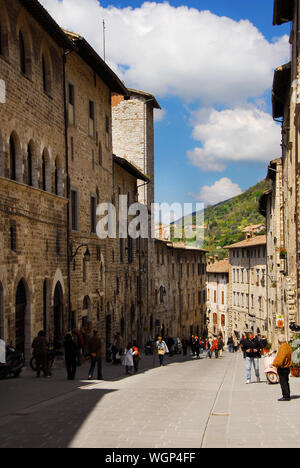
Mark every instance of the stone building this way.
pixel 179 290
pixel 133 140
pixel 217 284
pixel 286 101
pixel 33 203
pixel 277 281
pixel 130 263
pixel 89 84
pixel 247 309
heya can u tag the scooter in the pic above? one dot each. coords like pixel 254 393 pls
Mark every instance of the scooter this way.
pixel 270 371
pixel 14 363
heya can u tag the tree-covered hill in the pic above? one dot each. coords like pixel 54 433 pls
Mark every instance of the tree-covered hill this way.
pixel 225 221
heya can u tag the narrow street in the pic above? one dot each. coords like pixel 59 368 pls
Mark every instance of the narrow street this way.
pixel 186 404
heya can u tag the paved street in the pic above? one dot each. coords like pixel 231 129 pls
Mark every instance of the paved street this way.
pixel 186 404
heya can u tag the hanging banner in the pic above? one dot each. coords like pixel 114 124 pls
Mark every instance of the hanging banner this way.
pixel 280 321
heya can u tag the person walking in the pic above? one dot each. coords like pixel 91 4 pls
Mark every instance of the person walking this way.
pixel 220 345
pixel 283 363
pixel 40 347
pixel 71 355
pixel 235 344
pixel 128 359
pixel 242 341
pixel 161 349
pixel 253 353
pixel 215 347
pixel 184 346
pixel 208 348
pixel 95 348
pixel 230 344
pixel 197 347
pixel 136 357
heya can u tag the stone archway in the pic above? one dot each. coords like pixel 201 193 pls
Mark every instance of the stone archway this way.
pixel 22 304
pixel 58 315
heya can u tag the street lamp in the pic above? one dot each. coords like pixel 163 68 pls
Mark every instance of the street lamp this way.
pixel 86 256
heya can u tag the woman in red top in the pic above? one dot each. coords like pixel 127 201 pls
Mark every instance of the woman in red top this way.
pixel 136 357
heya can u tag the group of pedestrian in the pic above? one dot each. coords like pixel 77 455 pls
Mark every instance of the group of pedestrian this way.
pixel 252 347
pixel 233 344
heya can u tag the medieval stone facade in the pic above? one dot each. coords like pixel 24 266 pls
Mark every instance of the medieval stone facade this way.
pixel 217 284
pixel 281 205
pixel 247 311
pixel 179 291
pixel 33 222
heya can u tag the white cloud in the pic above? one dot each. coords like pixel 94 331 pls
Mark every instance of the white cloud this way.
pixel 178 51
pixel 221 190
pixel 159 114
pixel 240 135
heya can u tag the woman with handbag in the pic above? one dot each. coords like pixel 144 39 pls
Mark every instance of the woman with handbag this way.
pixel 162 349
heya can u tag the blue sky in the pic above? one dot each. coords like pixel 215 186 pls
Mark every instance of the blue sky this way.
pixel 212 75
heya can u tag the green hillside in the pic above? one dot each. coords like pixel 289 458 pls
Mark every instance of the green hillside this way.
pixel 224 222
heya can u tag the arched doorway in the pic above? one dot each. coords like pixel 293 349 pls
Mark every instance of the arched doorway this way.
pixel 21 305
pixel 58 308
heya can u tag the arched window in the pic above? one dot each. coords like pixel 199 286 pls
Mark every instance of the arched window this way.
pixel 22 52
pixel 46 73
pixel 29 167
pixel 55 178
pixel 45 173
pixel 12 159
pixel 58 178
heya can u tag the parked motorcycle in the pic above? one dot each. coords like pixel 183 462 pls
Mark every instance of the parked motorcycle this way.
pixel 14 363
pixel 270 371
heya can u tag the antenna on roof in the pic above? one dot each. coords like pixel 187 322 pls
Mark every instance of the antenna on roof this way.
pixel 103 24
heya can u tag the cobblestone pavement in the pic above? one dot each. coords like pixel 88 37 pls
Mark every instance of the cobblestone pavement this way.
pixel 188 403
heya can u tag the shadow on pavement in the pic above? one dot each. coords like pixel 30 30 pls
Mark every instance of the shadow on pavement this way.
pixel 54 426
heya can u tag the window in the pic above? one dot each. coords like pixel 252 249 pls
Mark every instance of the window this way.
pixel 93 213
pixel 71 107
pixel 72 148
pixel 223 298
pixel 13 236
pixel 29 166
pixel 215 297
pixel 12 158
pixel 74 210
pixel 107 132
pixel 22 53
pixel 100 155
pixel 91 119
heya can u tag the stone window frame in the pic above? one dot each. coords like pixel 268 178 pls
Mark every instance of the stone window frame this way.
pixel 25 49
pixel 72 103
pixel 74 226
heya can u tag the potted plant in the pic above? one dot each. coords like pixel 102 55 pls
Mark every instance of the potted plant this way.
pixel 283 253
pixel 295 345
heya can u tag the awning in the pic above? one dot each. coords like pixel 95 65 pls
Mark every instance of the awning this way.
pixel 283 11
pixel 281 87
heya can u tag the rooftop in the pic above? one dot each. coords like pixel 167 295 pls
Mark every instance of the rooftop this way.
pixel 251 242
pixel 221 266
pixel 131 168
